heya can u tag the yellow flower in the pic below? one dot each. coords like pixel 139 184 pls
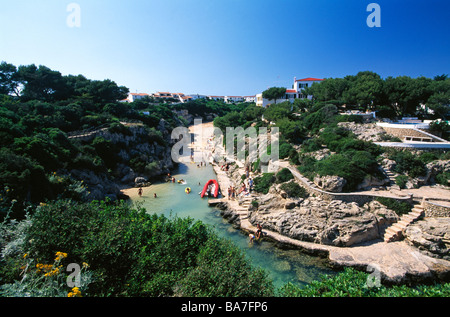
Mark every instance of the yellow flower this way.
pixel 85 265
pixel 74 293
pixel 60 256
pixel 25 255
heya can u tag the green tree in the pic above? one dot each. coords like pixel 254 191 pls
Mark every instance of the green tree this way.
pixel 274 93
pixel 9 82
pixel 439 101
pixel 42 83
pixel 364 89
pixel 404 94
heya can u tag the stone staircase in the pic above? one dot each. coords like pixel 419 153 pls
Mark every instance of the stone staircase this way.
pixel 243 208
pixel 391 177
pixel 395 231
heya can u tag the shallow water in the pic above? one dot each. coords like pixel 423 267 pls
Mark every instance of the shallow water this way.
pixel 282 265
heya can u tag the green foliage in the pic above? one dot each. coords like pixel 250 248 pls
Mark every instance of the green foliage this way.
pixel 223 270
pixel 283 176
pixel 400 208
pixel 294 190
pixel 352 283
pixel 401 181
pixel 407 163
pixel 443 178
pixel 133 253
pixel 323 114
pixel 263 183
pixel 286 150
pixel 277 112
pixel 274 93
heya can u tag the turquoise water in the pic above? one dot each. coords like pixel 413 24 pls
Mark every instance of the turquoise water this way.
pixel 282 265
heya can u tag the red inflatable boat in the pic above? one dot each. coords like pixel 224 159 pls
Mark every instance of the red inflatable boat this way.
pixel 215 192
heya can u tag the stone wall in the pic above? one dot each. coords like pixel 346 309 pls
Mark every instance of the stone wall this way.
pixel 435 210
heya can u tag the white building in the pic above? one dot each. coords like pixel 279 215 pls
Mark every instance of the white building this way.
pixel 233 99
pixel 291 94
pixel 217 98
pixel 250 98
pixel 301 84
pixel 197 96
pixel 132 97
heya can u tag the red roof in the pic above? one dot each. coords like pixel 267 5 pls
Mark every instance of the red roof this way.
pixel 310 79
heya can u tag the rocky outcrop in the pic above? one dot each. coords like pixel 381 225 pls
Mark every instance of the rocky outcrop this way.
pixel 98 185
pixel 431 236
pixel 435 168
pixel 367 132
pixel 330 183
pixel 149 149
pixel 314 220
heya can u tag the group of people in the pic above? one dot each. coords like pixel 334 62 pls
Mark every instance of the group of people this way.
pixel 244 190
pixel 141 192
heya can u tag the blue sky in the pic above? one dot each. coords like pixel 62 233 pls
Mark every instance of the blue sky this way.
pixel 226 47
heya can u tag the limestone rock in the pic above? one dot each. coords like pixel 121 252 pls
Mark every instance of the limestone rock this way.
pixel 431 236
pixel 333 184
pixel 141 182
pixel 314 220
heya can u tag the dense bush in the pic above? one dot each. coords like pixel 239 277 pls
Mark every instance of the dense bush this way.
pixel 294 190
pixel 407 163
pixel 352 283
pixel 263 183
pixel 400 208
pixel 284 175
pixel 133 253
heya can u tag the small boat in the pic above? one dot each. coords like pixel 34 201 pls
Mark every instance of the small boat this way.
pixel 212 186
pixel 188 190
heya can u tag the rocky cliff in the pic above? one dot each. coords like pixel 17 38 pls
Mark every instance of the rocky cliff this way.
pixel 141 154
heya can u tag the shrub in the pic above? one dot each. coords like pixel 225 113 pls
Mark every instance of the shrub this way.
pixel 284 175
pixel 443 178
pixel 263 183
pixel 340 165
pixel 352 283
pixel 400 208
pixel 401 181
pixel 407 163
pixel 294 190
pixel 133 253
pixel 286 150
pixel 311 145
pixel 224 271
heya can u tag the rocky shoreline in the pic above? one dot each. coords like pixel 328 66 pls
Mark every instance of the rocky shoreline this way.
pixel 346 234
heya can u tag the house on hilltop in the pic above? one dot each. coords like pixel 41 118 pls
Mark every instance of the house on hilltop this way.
pixel 296 92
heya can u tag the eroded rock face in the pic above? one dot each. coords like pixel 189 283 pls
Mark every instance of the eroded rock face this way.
pixel 333 184
pixel 431 236
pixel 331 223
pixel 366 132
